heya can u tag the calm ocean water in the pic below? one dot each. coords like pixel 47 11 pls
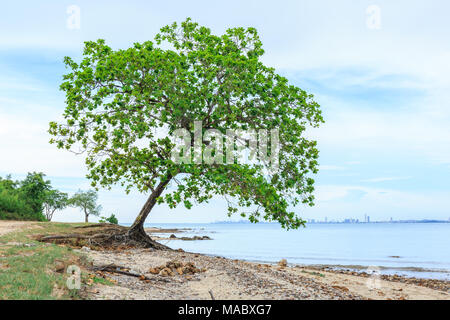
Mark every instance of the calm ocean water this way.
pixel 412 249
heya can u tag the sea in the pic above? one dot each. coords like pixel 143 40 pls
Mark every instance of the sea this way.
pixel 419 250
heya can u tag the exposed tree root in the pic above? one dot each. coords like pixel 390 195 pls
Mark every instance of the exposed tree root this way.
pixel 103 237
pixel 100 225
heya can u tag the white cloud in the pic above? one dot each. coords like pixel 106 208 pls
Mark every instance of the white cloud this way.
pixel 331 168
pixel 319 38
pixel 384 179
pixel 25 147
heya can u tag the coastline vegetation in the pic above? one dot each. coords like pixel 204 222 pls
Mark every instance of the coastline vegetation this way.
pixel 34 199
pixel 23 200
pixel 34 270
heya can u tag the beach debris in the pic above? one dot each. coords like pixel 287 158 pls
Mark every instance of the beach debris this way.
pixel 174 237
pixel 112 268
pixel 211 294
pixel 166 272
pixel 342 288
pixel 60 267
pixel 282 263
pixel 176 267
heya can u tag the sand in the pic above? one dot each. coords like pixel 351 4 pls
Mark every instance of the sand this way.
pixel 10 226
pixel 235 279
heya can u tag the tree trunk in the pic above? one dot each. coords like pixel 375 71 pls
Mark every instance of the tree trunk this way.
pixel 136 231
pixel 86 217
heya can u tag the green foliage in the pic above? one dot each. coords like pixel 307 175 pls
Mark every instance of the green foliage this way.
pixel 117 101
pixel 54 200
pixel 112 219
pixel 25 274
pixel 23 200
pixel 87 202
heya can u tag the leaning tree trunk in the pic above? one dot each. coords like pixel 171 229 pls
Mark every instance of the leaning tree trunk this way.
pixel 136 231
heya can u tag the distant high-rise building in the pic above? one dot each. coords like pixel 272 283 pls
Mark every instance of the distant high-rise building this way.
pixel 368 219
pixel 326 219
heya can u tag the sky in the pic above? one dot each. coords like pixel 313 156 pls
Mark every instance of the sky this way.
pixel 379 69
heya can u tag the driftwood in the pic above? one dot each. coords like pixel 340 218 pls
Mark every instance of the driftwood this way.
pixel 112 268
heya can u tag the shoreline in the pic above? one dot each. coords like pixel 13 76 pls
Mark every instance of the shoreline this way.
pixel 126 273
pixel 402 271
pixel 238 279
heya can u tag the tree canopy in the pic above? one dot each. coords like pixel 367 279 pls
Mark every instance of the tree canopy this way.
pixel 54 200
pixel 86 201
pixel 24 199
pixel 123 105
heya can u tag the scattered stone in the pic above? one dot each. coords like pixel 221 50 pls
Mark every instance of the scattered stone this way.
pixel 85 249
pixel 282 263
pixel 174 266
pixel 60 267
pixel 342 288
pixel 154 270
pixel 166 272
pixel 195 238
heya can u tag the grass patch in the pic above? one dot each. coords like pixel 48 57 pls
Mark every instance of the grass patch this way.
pixel 28 268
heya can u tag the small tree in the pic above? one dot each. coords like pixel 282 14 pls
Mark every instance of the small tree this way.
pixel 118 100
pixel 112 219
pixel 87 202
pixel 54 200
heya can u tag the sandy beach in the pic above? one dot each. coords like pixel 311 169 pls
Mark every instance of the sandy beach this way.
pixel 221 278
pixel 178 275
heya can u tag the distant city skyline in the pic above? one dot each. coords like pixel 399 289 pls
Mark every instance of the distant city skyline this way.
pixel 367 220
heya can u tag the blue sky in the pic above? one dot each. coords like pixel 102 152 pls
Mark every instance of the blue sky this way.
pixel 385 94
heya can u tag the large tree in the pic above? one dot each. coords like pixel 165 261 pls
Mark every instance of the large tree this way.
pixel 119 102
